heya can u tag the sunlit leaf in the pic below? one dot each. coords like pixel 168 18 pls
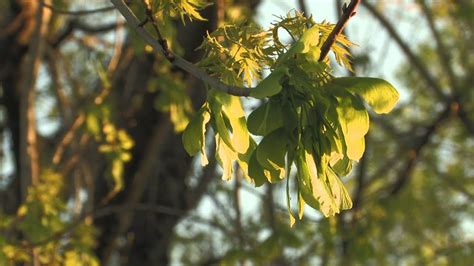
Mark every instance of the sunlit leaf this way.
pixel 194 134
pixel 266 118
pixel 378 93
pixel 271 85
pixel 271 151
pixel 225 156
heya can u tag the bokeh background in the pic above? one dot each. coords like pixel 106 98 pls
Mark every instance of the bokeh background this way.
pixel 92 169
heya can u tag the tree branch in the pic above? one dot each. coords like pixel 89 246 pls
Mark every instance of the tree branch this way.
pixel 79 12
pixel 414 60
pixel 147 167
pixel 29 154
pixel 177 61
pixel 347 13
pixel 405 173
pixel 302 6
pixel 443 52
pixel 201 74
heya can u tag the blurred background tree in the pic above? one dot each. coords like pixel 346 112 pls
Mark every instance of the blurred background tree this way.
pixel 93 171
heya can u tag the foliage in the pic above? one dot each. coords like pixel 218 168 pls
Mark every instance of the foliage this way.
pixel 43 220
pixel 117 185
pixel 310 118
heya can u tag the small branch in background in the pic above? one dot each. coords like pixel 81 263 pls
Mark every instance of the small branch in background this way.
pixel 84 27
pixel 146 169
pixel 113 63
pixel 67 139
pixel 79 12
pixel 238 214
pixel 64 106
pixel 442 51
pixel 270 202
pixel 361 176
pixel 347 13
pixel 406 171
pixel 414 60
pixel 220 13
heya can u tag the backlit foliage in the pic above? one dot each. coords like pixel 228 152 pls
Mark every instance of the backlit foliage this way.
pixel 310 118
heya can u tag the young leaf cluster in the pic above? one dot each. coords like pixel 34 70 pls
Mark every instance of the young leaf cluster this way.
pixel 238 53
pixel 309 118
pixel 182 8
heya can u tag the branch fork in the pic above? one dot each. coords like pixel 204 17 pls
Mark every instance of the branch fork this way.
pixel 161 45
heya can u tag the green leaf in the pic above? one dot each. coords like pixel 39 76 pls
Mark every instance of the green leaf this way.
pixel 240 134
pixel 354 122
pixel 265 119
pixel 343 166
pixel 270 85
pixel 378 93
pixel 271 151
pixel 310 39
pixel 300 206
pixel 220 124
pixel 225 156
pixel 307 44
pixel 314 185
pixel 355 148
pixel 339 192
pixel 194 134
pixel 244 159
pixel 258 174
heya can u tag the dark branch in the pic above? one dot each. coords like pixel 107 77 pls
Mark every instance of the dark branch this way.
pixel 79 12
pixel 406 171
pixel 78 25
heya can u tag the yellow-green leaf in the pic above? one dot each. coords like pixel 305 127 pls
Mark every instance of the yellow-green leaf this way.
pixel 265 119
pixel 271 85
pixel 378 93
pixel 194 134
pixel 271 151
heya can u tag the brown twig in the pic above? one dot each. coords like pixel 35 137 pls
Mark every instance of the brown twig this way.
pixel 178 61
pixel 67 139
pixel 201 74
pixel 347 13
pixel 150 17
pixel 302 6
pixel 29 154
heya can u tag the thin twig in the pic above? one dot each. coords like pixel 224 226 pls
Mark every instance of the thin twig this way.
pixel 414 60
pixel 347 13
pixel 201 74
pixel 150 17
pixel 110 210
pixel 405 172
pixel 178 61
pixel 67 139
